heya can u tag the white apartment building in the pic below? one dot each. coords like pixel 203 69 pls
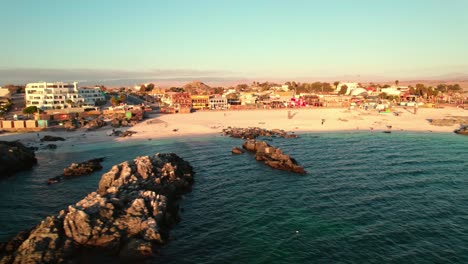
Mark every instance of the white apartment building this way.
pixel 56 95
pixel 395 90
pixel 218 102
pixel 351 86
pixel 91 95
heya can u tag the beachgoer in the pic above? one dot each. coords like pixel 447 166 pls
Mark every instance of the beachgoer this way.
pixel 415 108
pixel 323 121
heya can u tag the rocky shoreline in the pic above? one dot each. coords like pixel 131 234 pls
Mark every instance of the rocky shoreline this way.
pixel 128 217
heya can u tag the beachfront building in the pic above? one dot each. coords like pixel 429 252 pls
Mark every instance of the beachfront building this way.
pixel 359 92
pixel 200 102
pixel 177 100
pixel 350 87
pixel 56 95
pixel 157 93
pixel 92 96
pixel 218 102
pixel 4 93
pixel 248 98
pixel 282 96
pixel 395 90
pixel 284 88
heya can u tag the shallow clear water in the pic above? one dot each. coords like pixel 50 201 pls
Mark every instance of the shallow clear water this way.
pixel 400 197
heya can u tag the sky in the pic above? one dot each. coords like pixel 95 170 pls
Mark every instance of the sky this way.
pixel 104 40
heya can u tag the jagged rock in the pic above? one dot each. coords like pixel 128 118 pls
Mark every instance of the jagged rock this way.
pixel 51 138
pixel 450 121
pixel 116 122
pixel 95 124
pixel 272 156
pixel 83 168
pixel 127 133
pixel 78 169
pixel 129 216
pixel 254 132
pixel 14 157
pixel 70 125
pixel 463 130
pixel 119 133
pixel 237 150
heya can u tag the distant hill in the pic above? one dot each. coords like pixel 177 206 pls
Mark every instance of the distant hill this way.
pixel 196 86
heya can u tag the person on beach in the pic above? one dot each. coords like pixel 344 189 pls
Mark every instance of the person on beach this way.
pixel 323 121
pixel 415 108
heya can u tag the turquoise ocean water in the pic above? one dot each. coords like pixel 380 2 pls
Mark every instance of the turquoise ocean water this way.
pixel 367 198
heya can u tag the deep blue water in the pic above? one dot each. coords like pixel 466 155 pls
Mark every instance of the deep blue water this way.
pixel 367 198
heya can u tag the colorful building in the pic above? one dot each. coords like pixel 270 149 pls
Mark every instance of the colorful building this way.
pixel 200 102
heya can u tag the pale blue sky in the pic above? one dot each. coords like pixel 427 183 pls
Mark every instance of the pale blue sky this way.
pixel 238 38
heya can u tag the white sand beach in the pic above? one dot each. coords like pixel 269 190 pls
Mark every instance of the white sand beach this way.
pixel 303 120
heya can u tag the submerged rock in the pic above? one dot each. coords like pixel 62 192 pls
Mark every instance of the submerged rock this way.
pixel 128 216
pixel 272 156
pixel 51 138
pixel 14 157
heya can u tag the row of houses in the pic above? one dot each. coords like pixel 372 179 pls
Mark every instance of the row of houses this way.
pixel 60 95
pixel 182 101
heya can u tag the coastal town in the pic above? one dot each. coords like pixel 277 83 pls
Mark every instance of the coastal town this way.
pixel 233 131
pixel 41 105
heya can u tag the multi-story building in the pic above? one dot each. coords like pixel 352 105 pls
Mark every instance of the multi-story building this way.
pixel 57 95
pixel 218 102
pixel 91 95
pixel 177 100
pixel 200 102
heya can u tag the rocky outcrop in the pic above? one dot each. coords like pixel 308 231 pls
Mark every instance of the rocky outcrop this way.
pixel 254 132
pixel 450 121
pixel 237 150
pixel 463 130
pixel 51 138
pixel 78 169
pixel 128 216
pixel 272 156
pixel 119 133
pixel 83 168
pixel 14 157
pixel 122 122
pixel 94 123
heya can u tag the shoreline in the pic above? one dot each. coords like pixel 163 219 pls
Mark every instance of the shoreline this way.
pixel 209 123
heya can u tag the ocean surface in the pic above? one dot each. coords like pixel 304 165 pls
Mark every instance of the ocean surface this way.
pixel 367 198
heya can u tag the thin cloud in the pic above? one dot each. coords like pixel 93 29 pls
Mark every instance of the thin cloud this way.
pixel 24 75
